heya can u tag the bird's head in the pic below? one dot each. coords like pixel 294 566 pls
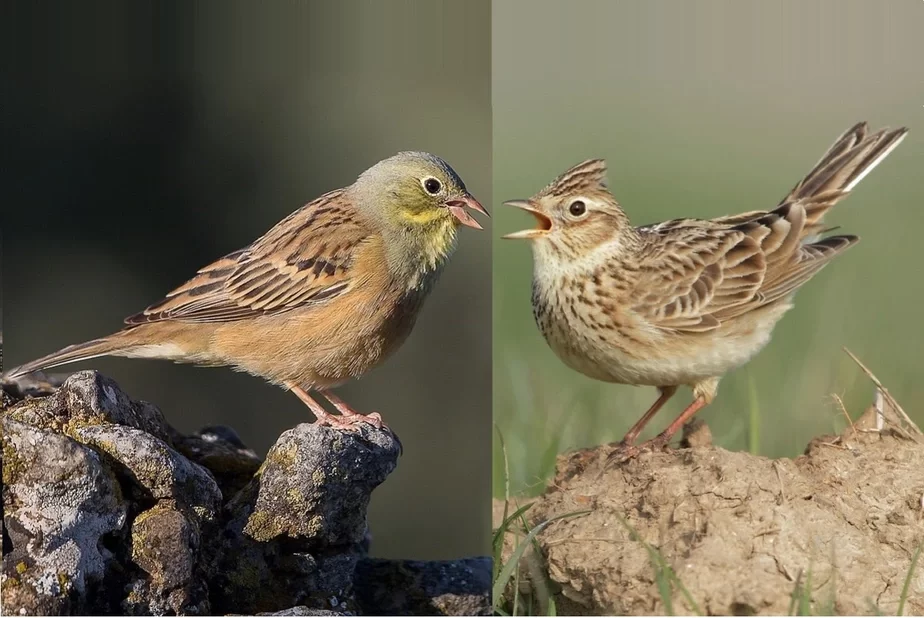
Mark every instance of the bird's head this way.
pixel 575 214
pixel 419 201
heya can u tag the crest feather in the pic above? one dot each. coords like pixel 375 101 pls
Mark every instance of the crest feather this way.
pixel 589 175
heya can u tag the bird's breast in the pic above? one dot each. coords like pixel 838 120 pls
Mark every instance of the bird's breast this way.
pixel 589 333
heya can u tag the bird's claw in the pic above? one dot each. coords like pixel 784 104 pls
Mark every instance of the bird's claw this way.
pixel 623 451
pixel 373 418
pixel 354 422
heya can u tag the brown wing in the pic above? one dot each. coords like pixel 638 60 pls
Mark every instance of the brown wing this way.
pixel 700 272
pixel 305 259
pixel 696 276
pixel 690 273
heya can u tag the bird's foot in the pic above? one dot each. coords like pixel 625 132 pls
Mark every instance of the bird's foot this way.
pixel 622 452
pixel 355 418
pixel 659 442
pixel 326 419
pixel 351 416
pixel 625 451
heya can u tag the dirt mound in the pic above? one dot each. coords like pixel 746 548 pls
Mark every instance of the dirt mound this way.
pixel 742 534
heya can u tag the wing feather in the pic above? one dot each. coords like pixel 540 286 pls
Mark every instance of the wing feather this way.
pixel 699 274
pixel 305 259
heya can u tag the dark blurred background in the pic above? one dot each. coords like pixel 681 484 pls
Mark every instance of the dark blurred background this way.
pixel 143 140
pixel 702 109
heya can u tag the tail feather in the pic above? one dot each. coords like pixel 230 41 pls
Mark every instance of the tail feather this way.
pixel 112 345
pixel 852 156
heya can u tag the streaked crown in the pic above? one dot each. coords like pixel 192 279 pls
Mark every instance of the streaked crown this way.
pixel 589 176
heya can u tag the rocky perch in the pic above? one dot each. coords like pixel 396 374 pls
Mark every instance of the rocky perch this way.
pixel 109 510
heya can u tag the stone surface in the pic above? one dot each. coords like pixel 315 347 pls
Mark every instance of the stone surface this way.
pixel 305 493
pixel 61 503
pixel 295 531
pixel 155 467
pixel 165 546
pixel 109 510
pixel 221 451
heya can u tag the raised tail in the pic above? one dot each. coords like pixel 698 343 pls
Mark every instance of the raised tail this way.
pixel 852 156
pixel 116 344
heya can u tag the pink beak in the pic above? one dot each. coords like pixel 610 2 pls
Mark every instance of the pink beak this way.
pixel 457 208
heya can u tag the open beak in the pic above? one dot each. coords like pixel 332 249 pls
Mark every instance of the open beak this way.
pixel 544 224
pixel 457 208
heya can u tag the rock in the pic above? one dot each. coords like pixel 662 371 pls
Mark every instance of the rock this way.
pixel 439 588
pixel 295 533
pixel 109 510
pixel 89 398
pixel 740 532
pixel 61 502
pixel 155 467
pixel 306 493
pixel 301 610
pixel 221 451
pixel 165 545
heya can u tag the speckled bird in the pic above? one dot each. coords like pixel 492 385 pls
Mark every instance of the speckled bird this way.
pixel 684 301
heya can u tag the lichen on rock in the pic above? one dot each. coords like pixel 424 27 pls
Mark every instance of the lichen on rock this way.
pixel 110 510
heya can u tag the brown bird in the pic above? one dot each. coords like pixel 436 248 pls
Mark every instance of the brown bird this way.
pixel 684 301
pixel 324 296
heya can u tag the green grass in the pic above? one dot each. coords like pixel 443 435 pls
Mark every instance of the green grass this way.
pixel 906 588
pixel 517 525
pixel 666 578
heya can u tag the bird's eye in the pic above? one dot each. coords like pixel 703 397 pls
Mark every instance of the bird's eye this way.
pixel 577 208
pixel 432 186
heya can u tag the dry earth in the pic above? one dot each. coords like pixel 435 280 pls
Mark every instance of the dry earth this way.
pixel 741 532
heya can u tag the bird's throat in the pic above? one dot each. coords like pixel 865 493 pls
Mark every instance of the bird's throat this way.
pixel 419 253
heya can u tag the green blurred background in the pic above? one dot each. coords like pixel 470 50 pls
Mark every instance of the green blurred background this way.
pixel 143 140
pixel 702 109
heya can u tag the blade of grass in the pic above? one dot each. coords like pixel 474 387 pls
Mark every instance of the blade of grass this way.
pixel 663 583
pixel 505 525
pixel 907 586
pixel 498 542
pixel 516 592
pixel 662 570
pixel 794 595
pixel 805 599
pixel 500 583
pixel 888 396
pixel 540 575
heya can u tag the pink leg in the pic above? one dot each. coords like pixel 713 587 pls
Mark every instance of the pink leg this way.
pixel 666 393
pixel 665 436
pixel 323 416
pixel 626 452
pixel 350 415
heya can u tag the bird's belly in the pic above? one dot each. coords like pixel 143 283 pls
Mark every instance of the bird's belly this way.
pixel 638 354
pixel 319 351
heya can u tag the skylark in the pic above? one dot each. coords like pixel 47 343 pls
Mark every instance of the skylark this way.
pixel 325 295
pixel 684 301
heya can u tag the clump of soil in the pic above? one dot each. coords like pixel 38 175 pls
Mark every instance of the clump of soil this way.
pixel 838 525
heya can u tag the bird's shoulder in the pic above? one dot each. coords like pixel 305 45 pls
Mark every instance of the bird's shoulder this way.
pixel 691 273
pixel 316 254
